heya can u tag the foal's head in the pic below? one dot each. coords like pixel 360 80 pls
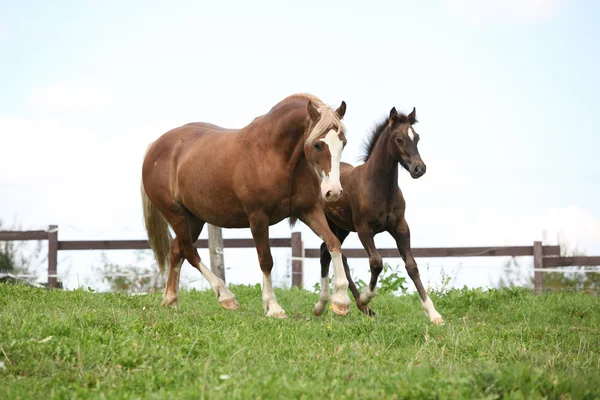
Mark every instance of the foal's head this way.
pixel 403 142
pixel 323 147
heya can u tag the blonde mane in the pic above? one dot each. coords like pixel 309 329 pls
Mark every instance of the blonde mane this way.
pixel 328 118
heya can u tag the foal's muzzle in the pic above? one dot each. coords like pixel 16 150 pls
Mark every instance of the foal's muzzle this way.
pixel 418 170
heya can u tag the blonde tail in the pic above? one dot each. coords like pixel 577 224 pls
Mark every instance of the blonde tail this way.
pixel 157 228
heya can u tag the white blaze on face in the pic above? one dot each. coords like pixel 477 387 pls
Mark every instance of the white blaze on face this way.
pixel 331 181
pixel 411 133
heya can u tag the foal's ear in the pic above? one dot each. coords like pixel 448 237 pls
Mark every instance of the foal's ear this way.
pixel 313 112
pixel 393 115
pixel 341 111
pixel 412 117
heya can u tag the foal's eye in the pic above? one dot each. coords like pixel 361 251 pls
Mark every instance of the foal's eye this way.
pixel 399 139
pixel 318 146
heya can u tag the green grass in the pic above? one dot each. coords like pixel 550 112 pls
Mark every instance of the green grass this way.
pixel 498 344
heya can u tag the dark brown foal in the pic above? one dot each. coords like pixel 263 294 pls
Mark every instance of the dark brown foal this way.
pixel 373 203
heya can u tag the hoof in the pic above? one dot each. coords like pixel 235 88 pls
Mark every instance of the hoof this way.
pixel 341 309
pixel 280 314
pixel 170 302
pixel 230 304
pixel 437 321
pixel 318 309
pixel 367 311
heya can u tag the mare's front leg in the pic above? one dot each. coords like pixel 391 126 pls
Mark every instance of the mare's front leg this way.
pixel 316 221
pixel 402 235
pixel 375 263
pixel 259 225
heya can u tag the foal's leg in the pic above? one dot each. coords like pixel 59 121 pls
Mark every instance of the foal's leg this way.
pixel 375 263
pixel 181 220
pixel 316 221
pixel 324 296
pixel 364 308
pixel 402 235
pixel 325 260
pixel 259 225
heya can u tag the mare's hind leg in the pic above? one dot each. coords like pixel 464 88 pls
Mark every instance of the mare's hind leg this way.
pixel 171 293
pixel 259 225
pixel 316 221
pixel 402 235
pixel 181 220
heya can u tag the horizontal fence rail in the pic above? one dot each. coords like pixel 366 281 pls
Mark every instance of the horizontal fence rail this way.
pixel 430 252
pixel 23 235
pixel 543 256
pixel 145 245
pixel 578 261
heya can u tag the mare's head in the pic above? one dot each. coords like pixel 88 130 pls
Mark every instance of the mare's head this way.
pixel 403 142
pixel 323 146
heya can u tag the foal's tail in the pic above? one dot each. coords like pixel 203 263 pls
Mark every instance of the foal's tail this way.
pixel 158 230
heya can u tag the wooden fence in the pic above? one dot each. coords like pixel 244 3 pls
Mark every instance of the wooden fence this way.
pixel 543 256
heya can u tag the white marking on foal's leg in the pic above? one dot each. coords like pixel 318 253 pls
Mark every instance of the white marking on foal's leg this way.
pixel 431 312
pixel 272 308
pixel 171 292
pixel 340 298
pixel 224 295
pixel 367 295
pixel 324 297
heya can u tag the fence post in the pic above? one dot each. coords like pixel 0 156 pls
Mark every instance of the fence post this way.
pixel 538 263
pixel 215 245
pixel 52 255
pixel 297 259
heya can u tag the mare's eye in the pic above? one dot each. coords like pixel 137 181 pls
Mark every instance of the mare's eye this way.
pixel 399 139
pixel 318 146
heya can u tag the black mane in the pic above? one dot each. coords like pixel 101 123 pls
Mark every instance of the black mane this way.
pixel 376 134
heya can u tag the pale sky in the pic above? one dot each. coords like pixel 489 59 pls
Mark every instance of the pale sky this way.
pixel 506 94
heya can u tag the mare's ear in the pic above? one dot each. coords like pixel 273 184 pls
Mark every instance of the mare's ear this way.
pixel 341 111
pixel 313 112
pixel 393 115
pixel 412 117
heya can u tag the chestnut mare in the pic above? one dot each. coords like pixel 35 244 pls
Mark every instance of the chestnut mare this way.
pixel 373 203
pixel 278 166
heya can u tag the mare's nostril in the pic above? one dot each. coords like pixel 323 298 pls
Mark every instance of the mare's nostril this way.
pixel 328 194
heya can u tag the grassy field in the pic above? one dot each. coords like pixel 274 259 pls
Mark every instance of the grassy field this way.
pixel 498 344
